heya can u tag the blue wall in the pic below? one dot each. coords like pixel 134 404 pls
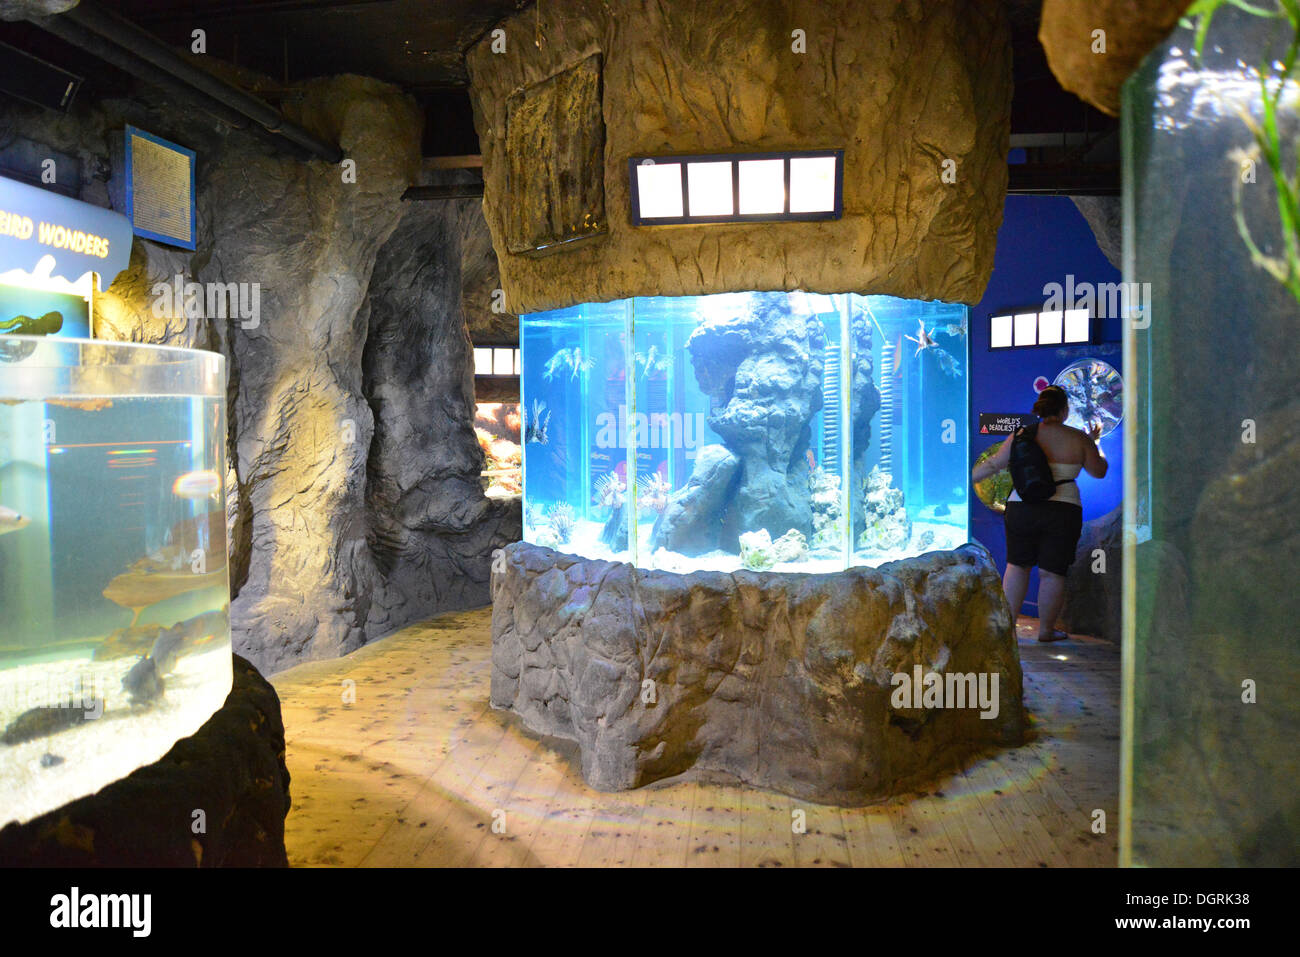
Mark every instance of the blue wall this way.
pixel 1043 238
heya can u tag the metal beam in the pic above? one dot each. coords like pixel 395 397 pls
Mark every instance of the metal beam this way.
pixel 436 193
pixel 1041 179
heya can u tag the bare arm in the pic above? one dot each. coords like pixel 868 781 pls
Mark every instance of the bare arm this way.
pixel 994 463
pixel 1094 463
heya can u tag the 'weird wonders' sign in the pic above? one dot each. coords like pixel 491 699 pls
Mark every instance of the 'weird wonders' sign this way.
pixel 80 238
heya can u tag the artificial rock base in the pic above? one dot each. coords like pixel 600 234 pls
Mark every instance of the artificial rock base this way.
pixel 232 769
pixel 782 680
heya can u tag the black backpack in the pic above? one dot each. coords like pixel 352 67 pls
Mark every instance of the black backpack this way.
pixel 1030 471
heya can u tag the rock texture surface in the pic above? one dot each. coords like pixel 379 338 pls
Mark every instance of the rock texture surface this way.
pixel 1105 217
pixel 21 9
pixel 1131 29
pixel 353 484
pixel 1092 596
pixel 902 87
pixel 781 680
pixel 232 769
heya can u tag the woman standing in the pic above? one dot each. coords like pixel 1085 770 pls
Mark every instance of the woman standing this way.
pixel 1046 533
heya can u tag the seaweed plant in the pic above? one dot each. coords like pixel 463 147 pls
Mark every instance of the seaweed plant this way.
pixel 1274 78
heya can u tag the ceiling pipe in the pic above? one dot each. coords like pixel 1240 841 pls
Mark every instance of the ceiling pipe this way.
pixel 115 56
pixel 144 47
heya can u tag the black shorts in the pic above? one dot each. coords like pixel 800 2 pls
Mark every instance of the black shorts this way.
pixel 1043 534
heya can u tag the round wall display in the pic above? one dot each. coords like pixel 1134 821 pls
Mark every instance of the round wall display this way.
pixel 993 491
pixel 1096 394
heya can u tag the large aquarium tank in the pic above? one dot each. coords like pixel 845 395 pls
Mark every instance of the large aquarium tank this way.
pixel 114 595
pixel 1212 500
pixel 764 430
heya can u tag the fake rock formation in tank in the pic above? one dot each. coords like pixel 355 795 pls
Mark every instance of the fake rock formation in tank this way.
pixel 762 365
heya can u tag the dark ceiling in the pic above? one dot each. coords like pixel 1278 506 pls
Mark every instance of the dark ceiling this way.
pixel 420 45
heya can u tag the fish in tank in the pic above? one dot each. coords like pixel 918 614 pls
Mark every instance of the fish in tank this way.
pixel 115 633
pixel 763 430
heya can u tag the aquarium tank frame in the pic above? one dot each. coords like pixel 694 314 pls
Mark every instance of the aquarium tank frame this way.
pixel 114 568
pixel 876 364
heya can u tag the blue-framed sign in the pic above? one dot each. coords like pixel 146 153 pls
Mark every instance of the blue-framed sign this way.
pixel 77 237
pixel 159 189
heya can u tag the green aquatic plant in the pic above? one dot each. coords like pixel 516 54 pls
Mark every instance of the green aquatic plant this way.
pixel 1273 79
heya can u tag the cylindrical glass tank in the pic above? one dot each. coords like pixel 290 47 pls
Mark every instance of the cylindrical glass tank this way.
pixel 1212 454
pixel 767 430
pixel 114 595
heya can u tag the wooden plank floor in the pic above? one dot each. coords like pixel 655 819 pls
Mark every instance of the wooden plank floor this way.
pixel 414 769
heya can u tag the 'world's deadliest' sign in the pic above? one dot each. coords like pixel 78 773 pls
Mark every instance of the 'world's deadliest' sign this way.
pixel 1003 423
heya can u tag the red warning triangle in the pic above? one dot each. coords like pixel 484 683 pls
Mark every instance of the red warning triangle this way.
pixel 984 429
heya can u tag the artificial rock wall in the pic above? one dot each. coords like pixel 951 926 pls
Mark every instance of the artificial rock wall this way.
pixel 353 492
pixel 902 87
pixel 785 681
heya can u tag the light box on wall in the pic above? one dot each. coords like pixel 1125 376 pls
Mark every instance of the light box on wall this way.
pixel 157 188
pixel 805 185
pixel 1029 328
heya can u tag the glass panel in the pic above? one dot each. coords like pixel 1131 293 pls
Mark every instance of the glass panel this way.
pixel 812 184
pixel 1076 325
pixel 709 186
pixel 573 391
pixel 1212 506
pixel 754 430
pixel 1050 326
pixel 659 190
pixel 482 361
pixel 114 636
pixel 908 493
pixel 1027 329
pixel 762 186
pixel 1000 332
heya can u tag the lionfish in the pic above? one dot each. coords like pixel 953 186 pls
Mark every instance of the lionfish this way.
pixel 652 361
pixel 535 424
pixel 609 490
pixel 947 363
pixel 570 360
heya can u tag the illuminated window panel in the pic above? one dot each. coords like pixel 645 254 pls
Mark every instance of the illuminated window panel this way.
pixel 482 361
pixel 1050 326
pixel 659 190
pixel 1000 332
pixel 503 362
pixel 709 188
pixel 1027 329
pixel 812 184
pixel 1076 325
pixel 762 186
pixel 800 185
